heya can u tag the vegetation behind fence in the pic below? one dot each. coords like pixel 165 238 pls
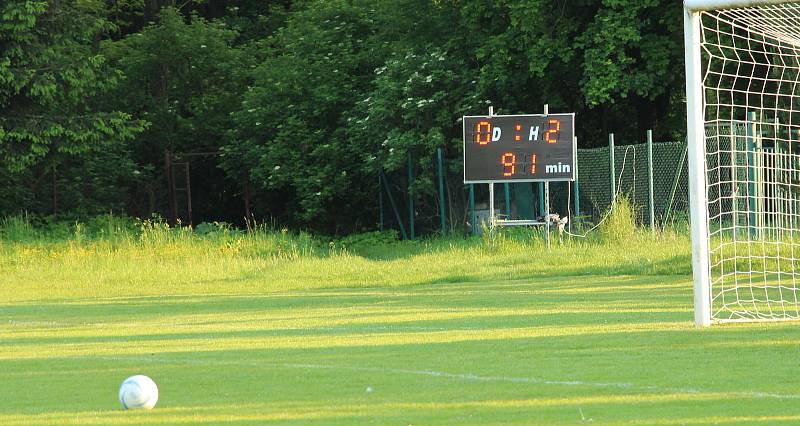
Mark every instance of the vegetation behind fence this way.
pixel 585 200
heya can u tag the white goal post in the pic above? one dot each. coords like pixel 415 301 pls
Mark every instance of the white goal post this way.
pixel 743 130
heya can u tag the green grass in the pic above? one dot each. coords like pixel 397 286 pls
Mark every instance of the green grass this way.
pixel 275 327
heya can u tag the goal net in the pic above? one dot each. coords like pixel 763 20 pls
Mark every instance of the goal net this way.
pixel 743 103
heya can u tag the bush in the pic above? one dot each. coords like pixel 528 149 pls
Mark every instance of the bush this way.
pixel 367 240
pixel 17 229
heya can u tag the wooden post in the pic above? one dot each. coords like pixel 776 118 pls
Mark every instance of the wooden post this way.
pixel 173 202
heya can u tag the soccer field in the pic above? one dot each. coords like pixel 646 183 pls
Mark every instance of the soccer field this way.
pixel 601 349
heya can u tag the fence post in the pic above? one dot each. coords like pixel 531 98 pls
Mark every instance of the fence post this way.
pixel 541 198
pixel 472 208
pixel 751 171
pixel 650 180
pixel 577 186
pixel 613 172
pixel 441 191
pixel 410 198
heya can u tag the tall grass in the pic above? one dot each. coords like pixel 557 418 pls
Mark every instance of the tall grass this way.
pixel 117 256
pixel 619 224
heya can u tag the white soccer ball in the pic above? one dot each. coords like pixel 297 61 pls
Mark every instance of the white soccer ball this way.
pixel 138 392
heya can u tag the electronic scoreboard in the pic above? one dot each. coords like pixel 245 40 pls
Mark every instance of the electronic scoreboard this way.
pixel 519 148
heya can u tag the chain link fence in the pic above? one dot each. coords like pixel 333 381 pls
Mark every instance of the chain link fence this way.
pixel 670 180
pixel 586 200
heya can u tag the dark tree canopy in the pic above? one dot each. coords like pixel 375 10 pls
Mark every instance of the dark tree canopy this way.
pixel 305 101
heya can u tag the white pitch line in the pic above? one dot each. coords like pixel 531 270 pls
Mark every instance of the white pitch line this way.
pixel 457 376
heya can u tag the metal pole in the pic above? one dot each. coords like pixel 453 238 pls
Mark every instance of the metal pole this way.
pixel 751 171
pixel 472 223
pixel 577 187
pixel 394 206
pixel 410 197
pixel 546 196
pixel 734 159
pixel 508 200
pixel 441 191
pixel 491 205
pixel 613 167
pixel 573 221
pixel 491 190
pixel 547 214
pixel 540 193
pixel 777 182
pixel 650 180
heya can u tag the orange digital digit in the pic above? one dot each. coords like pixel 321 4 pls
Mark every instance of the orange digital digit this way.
pixel 533 164
pixel 552 133
pixel 509 161
pixel 483 132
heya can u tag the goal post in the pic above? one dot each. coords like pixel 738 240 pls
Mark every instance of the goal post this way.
pixel 698 200
pixel 743 133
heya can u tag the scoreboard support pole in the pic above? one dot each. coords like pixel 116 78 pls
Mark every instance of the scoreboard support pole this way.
pixel 547 214
pixel 547 201
pixel 492 218
pixel 491 206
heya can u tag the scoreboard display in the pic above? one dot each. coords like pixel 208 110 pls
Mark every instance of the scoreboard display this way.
pixel 519 148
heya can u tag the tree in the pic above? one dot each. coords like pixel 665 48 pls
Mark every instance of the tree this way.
pixel 49 77
pixel 185 77
pixel 290 130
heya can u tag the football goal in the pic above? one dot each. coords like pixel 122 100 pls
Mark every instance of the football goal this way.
pixel 743 110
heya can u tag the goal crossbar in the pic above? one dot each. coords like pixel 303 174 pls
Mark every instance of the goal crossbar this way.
pixel 704 5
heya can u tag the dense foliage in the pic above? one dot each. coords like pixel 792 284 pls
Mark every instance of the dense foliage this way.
pixel 298 105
